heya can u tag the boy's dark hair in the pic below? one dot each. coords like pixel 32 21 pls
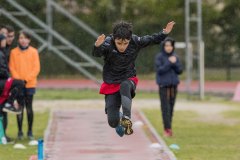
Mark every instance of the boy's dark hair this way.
pixel 122 30
pixel 26 34
pixel 9 28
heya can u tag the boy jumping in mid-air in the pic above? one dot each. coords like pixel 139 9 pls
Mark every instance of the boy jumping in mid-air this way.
pixel 120 51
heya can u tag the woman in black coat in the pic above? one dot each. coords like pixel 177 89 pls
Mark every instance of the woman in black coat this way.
pixel 168 67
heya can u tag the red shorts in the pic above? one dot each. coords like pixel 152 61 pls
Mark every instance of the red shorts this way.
pixel 113 88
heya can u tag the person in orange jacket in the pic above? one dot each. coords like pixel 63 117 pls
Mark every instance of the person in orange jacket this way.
pixel 24 64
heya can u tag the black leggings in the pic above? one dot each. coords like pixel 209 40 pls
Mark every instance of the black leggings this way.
pixel 28 100
pixel 5 119
pixel 168 97
pixel 115 101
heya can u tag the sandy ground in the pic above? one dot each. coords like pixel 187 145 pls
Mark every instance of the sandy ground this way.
pixel 207 111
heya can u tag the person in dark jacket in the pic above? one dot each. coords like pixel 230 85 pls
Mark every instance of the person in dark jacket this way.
pixel 9 42
pixel 120 51
pixel 168 67
pixel 10 89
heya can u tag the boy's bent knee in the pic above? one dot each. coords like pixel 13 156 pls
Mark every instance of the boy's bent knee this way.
pixel 125 87
pixel 113 124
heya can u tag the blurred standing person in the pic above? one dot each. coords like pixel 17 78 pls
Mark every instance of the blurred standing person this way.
pixel 25 65
pixel 10 89
pixel 9 41
pixel 168 67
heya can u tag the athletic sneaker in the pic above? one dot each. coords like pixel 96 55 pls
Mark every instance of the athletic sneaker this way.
pixel 120 130
pixel 168 133
pixel 20 136
pixel 30 135
pixel 11 109
pixel 127 124
pixel 9 140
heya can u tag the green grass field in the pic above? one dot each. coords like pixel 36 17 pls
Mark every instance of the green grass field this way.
pixel 201 140
pixel 53 94
pixel 7 152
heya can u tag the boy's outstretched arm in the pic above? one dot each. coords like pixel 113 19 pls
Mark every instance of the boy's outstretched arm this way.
pixel 156 38
pixel 98 49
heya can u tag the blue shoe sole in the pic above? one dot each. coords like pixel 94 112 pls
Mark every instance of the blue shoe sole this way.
pixel 120 130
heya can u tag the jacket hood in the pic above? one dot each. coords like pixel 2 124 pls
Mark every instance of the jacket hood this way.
pixel 172 41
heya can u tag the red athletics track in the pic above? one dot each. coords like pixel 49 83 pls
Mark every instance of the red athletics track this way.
pixel 144 85
pixel 84 134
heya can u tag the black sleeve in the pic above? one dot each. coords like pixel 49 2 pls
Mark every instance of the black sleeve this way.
pixel 97 51
pixel 147 40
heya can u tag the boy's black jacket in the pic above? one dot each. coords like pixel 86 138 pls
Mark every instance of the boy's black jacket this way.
pixel 121 66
